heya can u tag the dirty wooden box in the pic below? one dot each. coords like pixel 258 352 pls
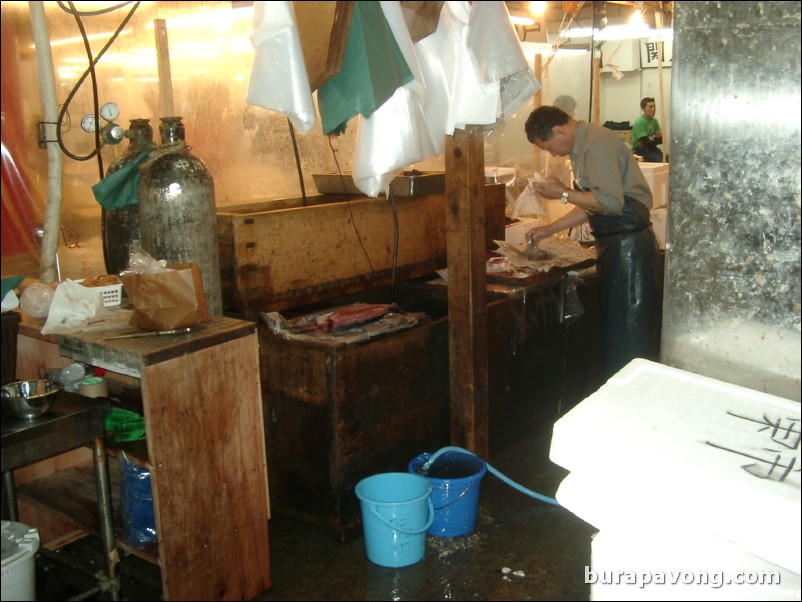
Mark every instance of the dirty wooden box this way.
pixel 281 254
pixel 337 414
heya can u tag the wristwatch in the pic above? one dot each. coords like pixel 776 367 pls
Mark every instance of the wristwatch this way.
pixel 564 197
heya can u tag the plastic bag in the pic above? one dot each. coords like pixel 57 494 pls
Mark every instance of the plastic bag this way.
pixel 527 202
pixel 36 299
pixel 136 503
pixel 571 307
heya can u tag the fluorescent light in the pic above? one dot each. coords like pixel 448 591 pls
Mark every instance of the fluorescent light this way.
pixel 516 20
pixel 617 32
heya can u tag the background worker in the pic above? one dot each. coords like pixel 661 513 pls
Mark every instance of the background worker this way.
pixel 610 192
pixel 647 134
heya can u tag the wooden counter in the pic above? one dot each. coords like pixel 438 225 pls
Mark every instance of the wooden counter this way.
pixel 201 401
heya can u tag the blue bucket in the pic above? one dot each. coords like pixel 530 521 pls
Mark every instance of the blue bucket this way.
pixel 396 512
pixel 455 477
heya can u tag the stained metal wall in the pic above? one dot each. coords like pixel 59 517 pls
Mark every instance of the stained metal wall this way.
pixel 732 296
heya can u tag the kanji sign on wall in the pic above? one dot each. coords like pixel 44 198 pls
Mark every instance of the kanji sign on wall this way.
pixel 649 53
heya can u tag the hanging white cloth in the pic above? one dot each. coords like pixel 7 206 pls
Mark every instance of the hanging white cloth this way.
pixel 394 135
pixel 279 80
pixel 474 68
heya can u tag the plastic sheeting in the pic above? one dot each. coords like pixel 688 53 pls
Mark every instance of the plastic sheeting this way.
pixel 379 156
pixel 279 79
pixel 474 72
pixel 470 71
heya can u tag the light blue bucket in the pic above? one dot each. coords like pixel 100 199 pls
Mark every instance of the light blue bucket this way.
pixel 396 512
pixel 455 477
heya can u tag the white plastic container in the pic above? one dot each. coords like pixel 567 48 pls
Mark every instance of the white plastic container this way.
pixel 20 543
pixel 659 226
pixel 657 176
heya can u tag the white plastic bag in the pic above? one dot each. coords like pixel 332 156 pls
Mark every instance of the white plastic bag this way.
pixel 73 307
pixel 527 202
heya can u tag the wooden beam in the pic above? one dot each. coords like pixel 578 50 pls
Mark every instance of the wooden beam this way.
pixel 467 290
pixel 167 103
pixel 596 89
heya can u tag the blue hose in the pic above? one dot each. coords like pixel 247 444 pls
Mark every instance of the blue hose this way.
pixel 507 480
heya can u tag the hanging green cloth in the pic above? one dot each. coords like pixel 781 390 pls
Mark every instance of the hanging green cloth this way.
pixel 10 283
pixel 373 69
pixel 119 189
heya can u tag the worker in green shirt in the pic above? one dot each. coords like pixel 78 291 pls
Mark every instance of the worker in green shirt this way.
pixel 646 133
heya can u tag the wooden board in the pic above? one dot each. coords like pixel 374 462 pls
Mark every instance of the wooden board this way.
pixel 203 417
pixel 323 30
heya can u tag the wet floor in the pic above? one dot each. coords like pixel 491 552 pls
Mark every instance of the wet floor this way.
pixel 521 549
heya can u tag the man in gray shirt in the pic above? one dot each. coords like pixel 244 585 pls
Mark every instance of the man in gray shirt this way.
pixel 611 193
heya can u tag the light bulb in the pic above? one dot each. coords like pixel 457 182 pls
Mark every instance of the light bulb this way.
pixel 537 8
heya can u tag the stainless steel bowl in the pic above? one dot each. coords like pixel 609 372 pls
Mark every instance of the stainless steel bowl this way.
pixel 29 398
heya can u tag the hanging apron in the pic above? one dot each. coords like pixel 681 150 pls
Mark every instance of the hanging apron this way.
pixel 630 286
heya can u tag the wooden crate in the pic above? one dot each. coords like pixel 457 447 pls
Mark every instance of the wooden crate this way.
pixel 281 254
pixel 334 415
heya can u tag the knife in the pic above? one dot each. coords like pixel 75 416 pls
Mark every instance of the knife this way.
pixel 151 333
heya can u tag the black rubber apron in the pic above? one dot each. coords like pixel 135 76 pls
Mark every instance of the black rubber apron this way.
pixel 630 286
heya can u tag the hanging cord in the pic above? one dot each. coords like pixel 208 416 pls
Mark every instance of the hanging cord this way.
pixel 395 243
pixel 95 100
pixel 297 161
pixel 351 213
pixel 506 479
pixel 90 69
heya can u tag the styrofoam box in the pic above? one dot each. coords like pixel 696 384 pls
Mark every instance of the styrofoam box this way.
pixel 656 175
pixel 664 564
pixel 666 449
pixel 659 226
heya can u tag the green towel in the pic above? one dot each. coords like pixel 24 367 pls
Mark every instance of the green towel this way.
pixel 122 425
pixel 10 283
pixel 119 189
pixel 373 69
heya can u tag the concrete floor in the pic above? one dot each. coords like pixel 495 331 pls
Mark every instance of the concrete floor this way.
pixel 521 549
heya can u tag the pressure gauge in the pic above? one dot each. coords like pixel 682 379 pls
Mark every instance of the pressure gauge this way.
pixel 110 111
pixel 89 123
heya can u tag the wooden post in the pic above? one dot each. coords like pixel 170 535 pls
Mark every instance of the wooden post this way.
pixel 596 88
pixel 537 100
pixel 467 289
pixel 658 18
pixel 165 76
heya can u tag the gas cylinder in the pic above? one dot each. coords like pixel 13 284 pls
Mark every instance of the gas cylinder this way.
pixel 121 226
pixel 177 213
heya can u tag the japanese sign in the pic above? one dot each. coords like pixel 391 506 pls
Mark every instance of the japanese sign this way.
pixel 649 53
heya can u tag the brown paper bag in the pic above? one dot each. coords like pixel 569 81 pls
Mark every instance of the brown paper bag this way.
pixel 166 300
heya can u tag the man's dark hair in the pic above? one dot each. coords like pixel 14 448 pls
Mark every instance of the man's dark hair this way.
pixel 541 120
pixel 646 101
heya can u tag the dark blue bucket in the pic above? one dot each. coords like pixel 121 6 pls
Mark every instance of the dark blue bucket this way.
pixel 455 478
